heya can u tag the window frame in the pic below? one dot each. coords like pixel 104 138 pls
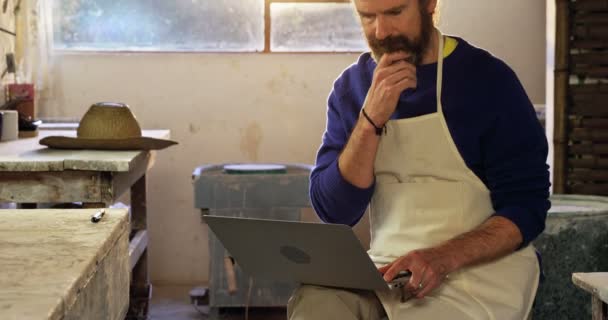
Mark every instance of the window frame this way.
pixel 267 39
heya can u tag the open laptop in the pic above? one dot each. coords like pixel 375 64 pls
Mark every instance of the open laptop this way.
pixel 309 253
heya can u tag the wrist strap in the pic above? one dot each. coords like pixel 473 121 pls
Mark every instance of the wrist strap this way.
pixel 379 130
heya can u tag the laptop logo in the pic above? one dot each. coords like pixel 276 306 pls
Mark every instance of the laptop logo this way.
pixel 295 255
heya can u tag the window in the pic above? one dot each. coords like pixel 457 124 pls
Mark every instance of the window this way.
pixel 314 27
pixel 207 25
pixel 159 25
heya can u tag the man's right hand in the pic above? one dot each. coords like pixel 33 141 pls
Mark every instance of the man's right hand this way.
pixel 392 76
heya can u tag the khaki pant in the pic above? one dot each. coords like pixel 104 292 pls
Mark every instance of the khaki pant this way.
pixel 310 302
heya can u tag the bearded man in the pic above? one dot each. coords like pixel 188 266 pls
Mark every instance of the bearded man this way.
pixel 439 139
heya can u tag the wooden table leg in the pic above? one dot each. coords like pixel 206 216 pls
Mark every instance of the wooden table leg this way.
pixel 139 219
pixel 141 289
pixel 598 309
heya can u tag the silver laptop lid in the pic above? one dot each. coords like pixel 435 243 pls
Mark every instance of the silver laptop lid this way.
pixel 309 253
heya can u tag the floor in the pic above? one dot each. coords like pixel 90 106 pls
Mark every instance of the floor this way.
pixel 173 302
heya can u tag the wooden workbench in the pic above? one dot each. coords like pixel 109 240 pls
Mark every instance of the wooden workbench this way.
pixel 31 174
pixel 57 264
pixel 596 283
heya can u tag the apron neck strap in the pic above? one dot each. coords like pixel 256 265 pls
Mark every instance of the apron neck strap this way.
pixel 439 71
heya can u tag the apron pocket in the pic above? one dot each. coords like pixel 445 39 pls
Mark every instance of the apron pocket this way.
pixel 413 215
pixel 435 209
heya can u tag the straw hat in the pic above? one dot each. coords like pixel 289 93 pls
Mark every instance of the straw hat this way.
pixel 107 126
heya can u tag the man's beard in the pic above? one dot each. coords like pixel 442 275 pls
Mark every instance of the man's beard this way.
pixel 415 48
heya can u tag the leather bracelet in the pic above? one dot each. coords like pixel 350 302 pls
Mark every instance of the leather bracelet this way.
pixel 379 130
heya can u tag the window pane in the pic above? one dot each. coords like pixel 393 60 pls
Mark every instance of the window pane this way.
pixel 315 27
pixel 157 25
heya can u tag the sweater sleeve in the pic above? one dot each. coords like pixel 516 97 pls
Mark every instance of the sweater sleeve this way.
pixel 514 157
pixel 334 199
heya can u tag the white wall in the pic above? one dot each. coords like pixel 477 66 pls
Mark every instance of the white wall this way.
pixel 252 107
pixel 221 108
pixel 513 30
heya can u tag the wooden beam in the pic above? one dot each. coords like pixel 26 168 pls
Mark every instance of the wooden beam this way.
pixel 589 163
pixel 140 292
pixel 591 149
pixel 588 175
pixel 122 181
pixel 589 189
pixel 584 134
pixel 590 5
pixel 596 88
pixel 139 208
pixel 560 140
pixel 267 25
pixel 53 187
pixel 137 246
pixel 589 44
pixel 589 123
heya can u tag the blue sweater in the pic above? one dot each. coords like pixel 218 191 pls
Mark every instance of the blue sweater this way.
pixel 490 118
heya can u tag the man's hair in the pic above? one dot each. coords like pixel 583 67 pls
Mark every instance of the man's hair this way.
pixel 436 14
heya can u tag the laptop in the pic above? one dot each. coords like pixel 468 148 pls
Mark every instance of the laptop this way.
pixel 308 253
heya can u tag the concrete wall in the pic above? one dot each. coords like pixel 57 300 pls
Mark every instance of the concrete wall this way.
pixel 252 107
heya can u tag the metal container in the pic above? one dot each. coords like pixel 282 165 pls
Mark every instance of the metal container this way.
pixel 266 195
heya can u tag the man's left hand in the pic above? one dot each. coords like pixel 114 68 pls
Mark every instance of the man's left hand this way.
pixel 429 269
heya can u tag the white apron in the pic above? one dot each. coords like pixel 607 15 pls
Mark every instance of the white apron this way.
pixel 425 194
